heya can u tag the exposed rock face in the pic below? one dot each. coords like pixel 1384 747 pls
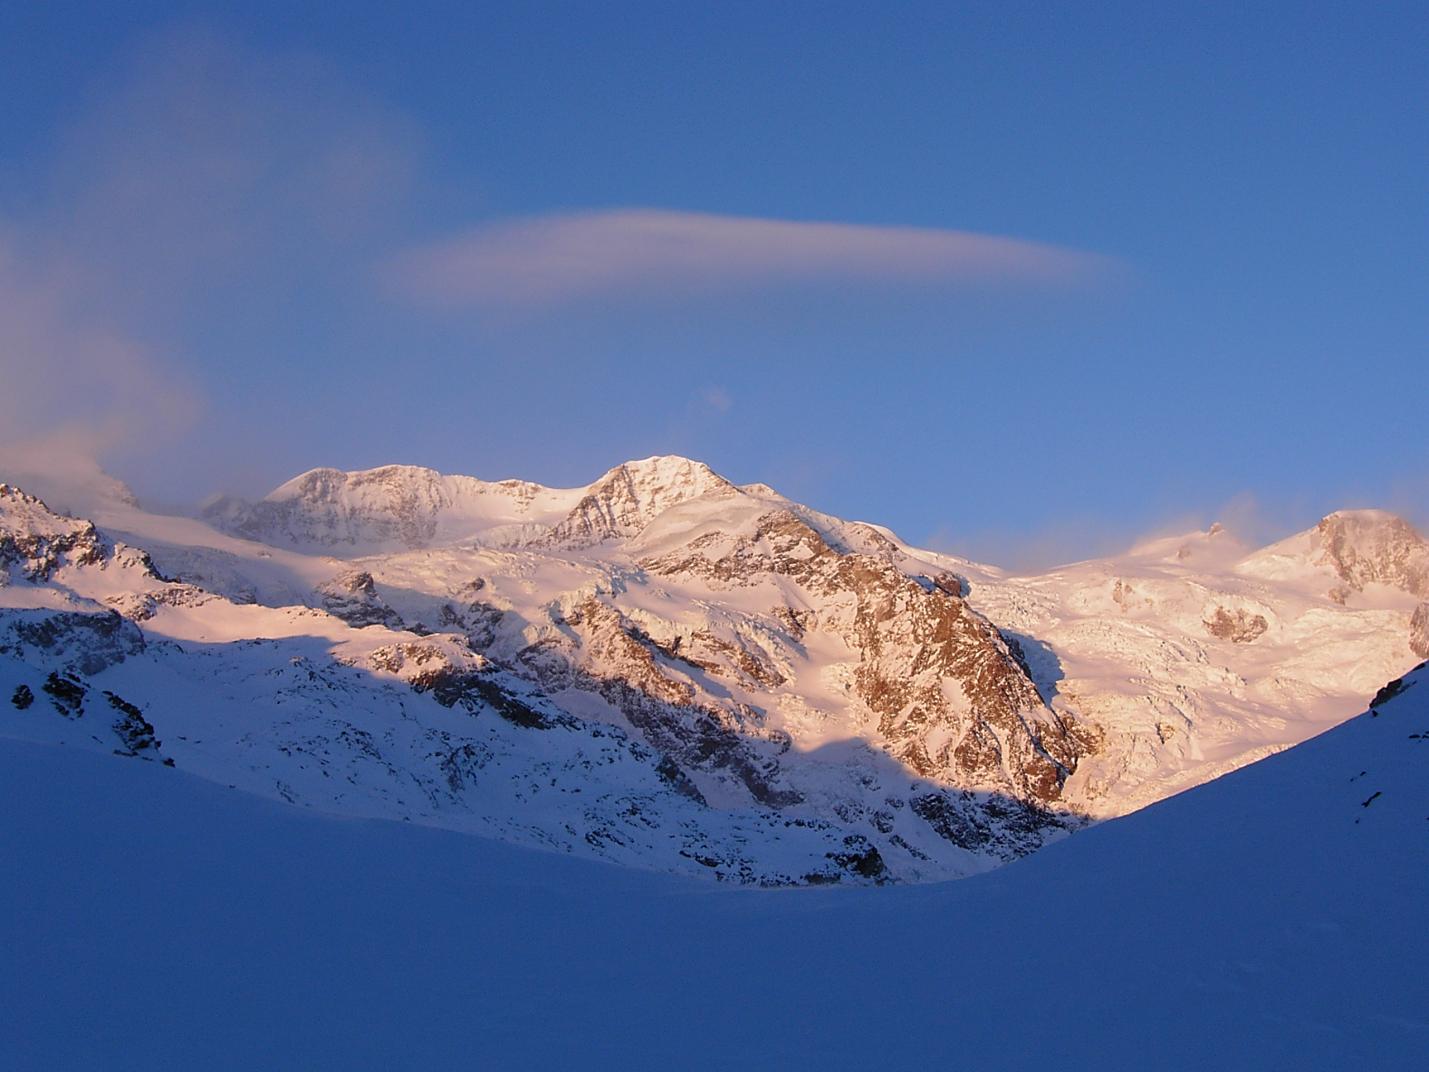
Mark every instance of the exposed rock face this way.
pixel 1239 628
pixel 620 664
pixel 987 824
pixel 915 643
pixel 34 542
pixel 353 597
pixel 142 605
pixel 952 701
pixel 471 615
pixel 1368 546
pixel 81 641
pixel 66 693
pixel 1419 631
pixel 135 733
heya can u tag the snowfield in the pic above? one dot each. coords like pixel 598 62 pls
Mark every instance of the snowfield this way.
pixel 1271 919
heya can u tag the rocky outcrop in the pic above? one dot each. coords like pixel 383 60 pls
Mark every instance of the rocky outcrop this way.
pixel 474 691
pixel 35 541
pixel 142 606
pixel 953 702
pixel 135 732
pixel 1002 827
pixel 471 615
pixel 66 693
pixel 353 597
pixel 1419 631
pixel 1394 688
pixel 1371 547
pixel 622 665
pixel 1239 627
pixel 78 641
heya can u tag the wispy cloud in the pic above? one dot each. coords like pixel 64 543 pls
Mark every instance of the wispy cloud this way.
pixel 1041 546
pixel 69 374
pixel 198 161
pixel 549 259
pixel 1249 521
pixel 196 168
pixel 717 399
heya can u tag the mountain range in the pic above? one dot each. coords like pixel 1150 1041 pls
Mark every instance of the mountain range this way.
pixel 667 670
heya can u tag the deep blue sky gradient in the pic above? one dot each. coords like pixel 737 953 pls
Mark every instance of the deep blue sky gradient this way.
pixel 1260 173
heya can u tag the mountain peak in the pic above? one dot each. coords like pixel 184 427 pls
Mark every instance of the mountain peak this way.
pixel 1373 546
pixel 663 469
pixel 325 483
pixel 410 506
pixel 391 506
pixel 634 493
pixel 1364 517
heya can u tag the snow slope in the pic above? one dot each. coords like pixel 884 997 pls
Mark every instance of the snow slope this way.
pixel 1198 655
pixel 1271 919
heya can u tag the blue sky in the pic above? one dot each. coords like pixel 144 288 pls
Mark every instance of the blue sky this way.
pixel 1020 280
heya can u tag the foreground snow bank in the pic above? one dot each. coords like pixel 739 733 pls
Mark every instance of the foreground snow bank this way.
pixel 1272 919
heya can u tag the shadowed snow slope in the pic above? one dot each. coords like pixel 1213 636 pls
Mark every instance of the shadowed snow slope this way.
pixel 1272 919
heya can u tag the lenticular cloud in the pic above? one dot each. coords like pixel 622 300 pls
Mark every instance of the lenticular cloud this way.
pixel 561 257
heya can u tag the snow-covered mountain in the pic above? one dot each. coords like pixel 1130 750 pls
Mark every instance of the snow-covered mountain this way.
pixel 668 670
pixel 407 508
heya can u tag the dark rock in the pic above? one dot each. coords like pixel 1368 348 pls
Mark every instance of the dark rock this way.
pixel 861 859
pixel 134 731
pixel 86 642
pixel 461 764
pixel 450 686
pixel 353 597
pixel 66 693
pixel 1003 826
pixel 1390 691
pixel 671 774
